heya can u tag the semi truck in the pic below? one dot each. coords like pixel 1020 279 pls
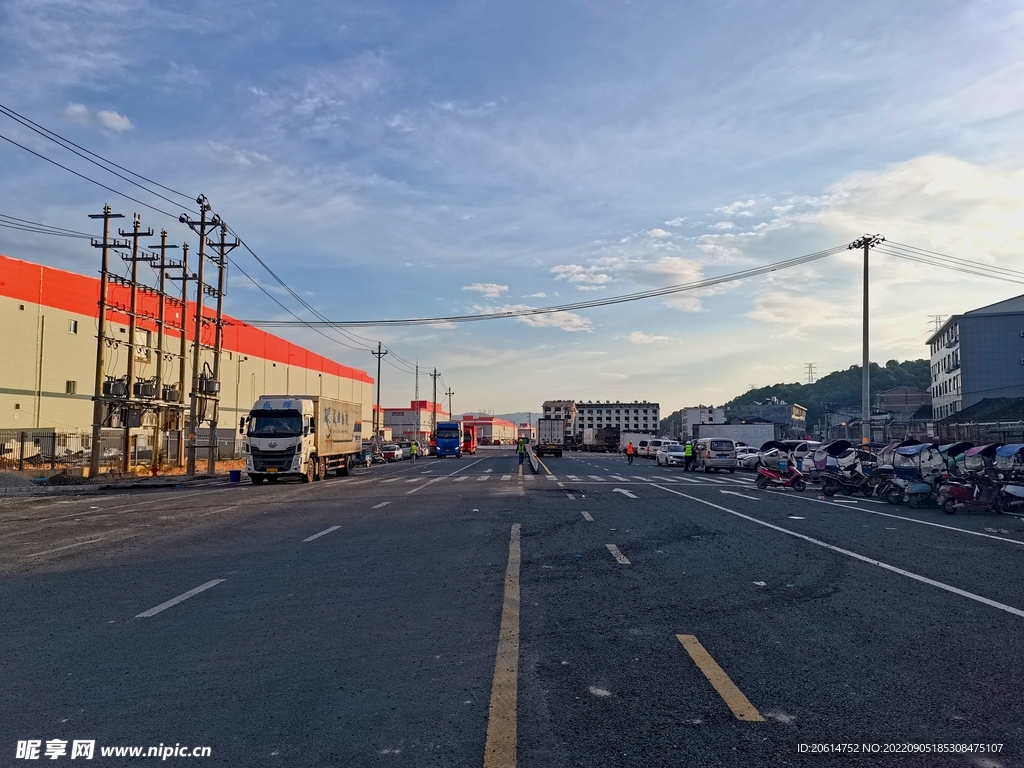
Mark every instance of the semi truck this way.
pixel 449 437
pixel 303 436
pixel 550 437
pixel 469 443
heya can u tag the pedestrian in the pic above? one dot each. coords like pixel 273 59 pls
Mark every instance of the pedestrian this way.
pixel 521 450
pixel 412 450
pixel 630 450
pixel 688 456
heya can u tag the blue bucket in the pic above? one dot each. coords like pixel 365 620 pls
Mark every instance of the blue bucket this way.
pixel 235 475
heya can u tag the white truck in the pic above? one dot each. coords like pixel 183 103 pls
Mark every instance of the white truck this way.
pixel 751 434
pixel 625 438
pixel 304 436
pixel 588 438
pixel 550 437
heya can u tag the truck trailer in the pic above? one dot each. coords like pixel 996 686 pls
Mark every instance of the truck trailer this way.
pixel 303 436
pixel 550 437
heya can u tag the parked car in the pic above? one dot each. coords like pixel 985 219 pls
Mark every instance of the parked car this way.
pixel 392 452
pixel 747 457
pixel 670 454
pixel 655 445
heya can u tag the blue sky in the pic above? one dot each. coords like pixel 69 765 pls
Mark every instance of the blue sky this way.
pixel 397 159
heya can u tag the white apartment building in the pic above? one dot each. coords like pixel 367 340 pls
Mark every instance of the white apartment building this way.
pixel 700 414
pixel 639 416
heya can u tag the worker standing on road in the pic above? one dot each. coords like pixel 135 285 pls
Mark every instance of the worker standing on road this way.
pixel 521 450
pixel 413 450
pixel 688 456
pixel 630 451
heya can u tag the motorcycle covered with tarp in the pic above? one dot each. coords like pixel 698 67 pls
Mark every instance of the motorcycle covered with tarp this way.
pixel 978 489
pixel 884 474
pixel 1009 464
pixel 918 473
pixel 842 469
pixel 782 472
pixel 955 455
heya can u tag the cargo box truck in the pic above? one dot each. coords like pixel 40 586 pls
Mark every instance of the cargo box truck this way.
pixel 302 436
pixel 550 437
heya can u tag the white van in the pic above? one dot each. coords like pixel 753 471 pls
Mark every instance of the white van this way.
pixel 655 445
pixel 715 453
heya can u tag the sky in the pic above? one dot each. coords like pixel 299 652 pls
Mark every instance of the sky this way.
pixel 421 159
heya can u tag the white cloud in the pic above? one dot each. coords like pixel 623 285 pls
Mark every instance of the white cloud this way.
pixel 659 233
pixel 113 120
pixel 576 273
pixel 77 113
pixel 725 225
pixel 614 376
pixel 490 290
pixel 739 208
pixel 639 337
pixel 537 296
pixel 566 321
pixel 676 222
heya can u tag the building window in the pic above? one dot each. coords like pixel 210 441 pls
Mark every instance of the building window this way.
pixel 71 387
pixel 72 326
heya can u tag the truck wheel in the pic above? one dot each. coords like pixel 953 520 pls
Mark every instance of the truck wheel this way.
pixel 321 469
pixel 256 479
pixel 346 468
pixel 307 476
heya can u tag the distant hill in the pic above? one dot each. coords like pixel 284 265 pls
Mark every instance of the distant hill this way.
pixel 839 388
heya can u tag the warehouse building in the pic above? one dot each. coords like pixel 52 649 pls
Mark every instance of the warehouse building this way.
pixel 415 422
pixel 48 359
pixel 490 430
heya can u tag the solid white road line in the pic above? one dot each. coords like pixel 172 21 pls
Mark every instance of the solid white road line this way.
pixel 624 492
pixel 587 517
pixel 391 480
pixel 69 546
pixel 382 504
pixel 500 746
pixel 226 509
pixel 414 480
pixel 857 556
pixel 737 493
pixel 619 557
pixel 180 598
pixel 596 477
pixel 322 533
pixel 421 487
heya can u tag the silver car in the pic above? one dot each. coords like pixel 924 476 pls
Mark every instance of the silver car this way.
pixel 670 454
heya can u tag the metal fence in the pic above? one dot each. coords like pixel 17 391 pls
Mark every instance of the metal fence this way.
pixel 982 433
pixel 50 449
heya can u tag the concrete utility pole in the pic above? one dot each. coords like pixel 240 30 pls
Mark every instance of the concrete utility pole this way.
pixel 223 248
pixel 449 393
pixel 161 321
pixel 377 421
pixel 867 243
pixel 101 339
pixel 135 234
pixel 419 421
pixel 183 347
pixel 433 428
pixel 199 227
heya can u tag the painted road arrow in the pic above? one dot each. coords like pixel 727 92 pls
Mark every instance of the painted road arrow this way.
pixel 742 495
pixel 623 492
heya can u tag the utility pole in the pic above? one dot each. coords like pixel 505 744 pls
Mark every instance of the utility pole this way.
pixel 433 428
pixel 223 248
pixel 101 338
pixel 183 348
pixel 449 393
pixel 160 323
pixel 199 227
pixel 417 398
pixel 377 422
pixel 135 235
pixel 867 243
pixel 810 372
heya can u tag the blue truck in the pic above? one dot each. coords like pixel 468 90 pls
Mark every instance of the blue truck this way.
pixel 449 439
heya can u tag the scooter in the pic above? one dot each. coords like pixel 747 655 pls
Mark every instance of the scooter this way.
pixel 785 476
pixel 972 494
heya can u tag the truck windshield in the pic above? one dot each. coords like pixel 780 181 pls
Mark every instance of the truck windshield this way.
pixel 447 434
pixel 279 423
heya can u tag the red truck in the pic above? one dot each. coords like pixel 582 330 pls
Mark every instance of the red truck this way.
pixel 469 443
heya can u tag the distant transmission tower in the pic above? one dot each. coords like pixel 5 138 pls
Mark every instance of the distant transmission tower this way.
pixel 937 321
pixel 810 372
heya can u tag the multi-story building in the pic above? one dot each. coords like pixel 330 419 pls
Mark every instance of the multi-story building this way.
pixel 640 416
pixel 490 430
pixel 790 417
pixel 50 318
pixel 562 409
pixel 700 414
pixel 415 422
pixel 527 432
pixel 978 355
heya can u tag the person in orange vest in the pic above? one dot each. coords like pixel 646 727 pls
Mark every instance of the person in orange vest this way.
pixel 630 451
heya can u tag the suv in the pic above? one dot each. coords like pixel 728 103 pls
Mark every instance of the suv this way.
pixel 392 452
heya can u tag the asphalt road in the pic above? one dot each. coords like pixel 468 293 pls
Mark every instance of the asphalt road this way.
pixel 435 613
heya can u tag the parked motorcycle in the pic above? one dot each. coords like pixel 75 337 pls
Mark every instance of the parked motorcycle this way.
pixel 843 470
pixel 979 489
pixel 1009 464
pixel 784 474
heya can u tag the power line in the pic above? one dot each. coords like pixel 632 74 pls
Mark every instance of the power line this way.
pixel 534 311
